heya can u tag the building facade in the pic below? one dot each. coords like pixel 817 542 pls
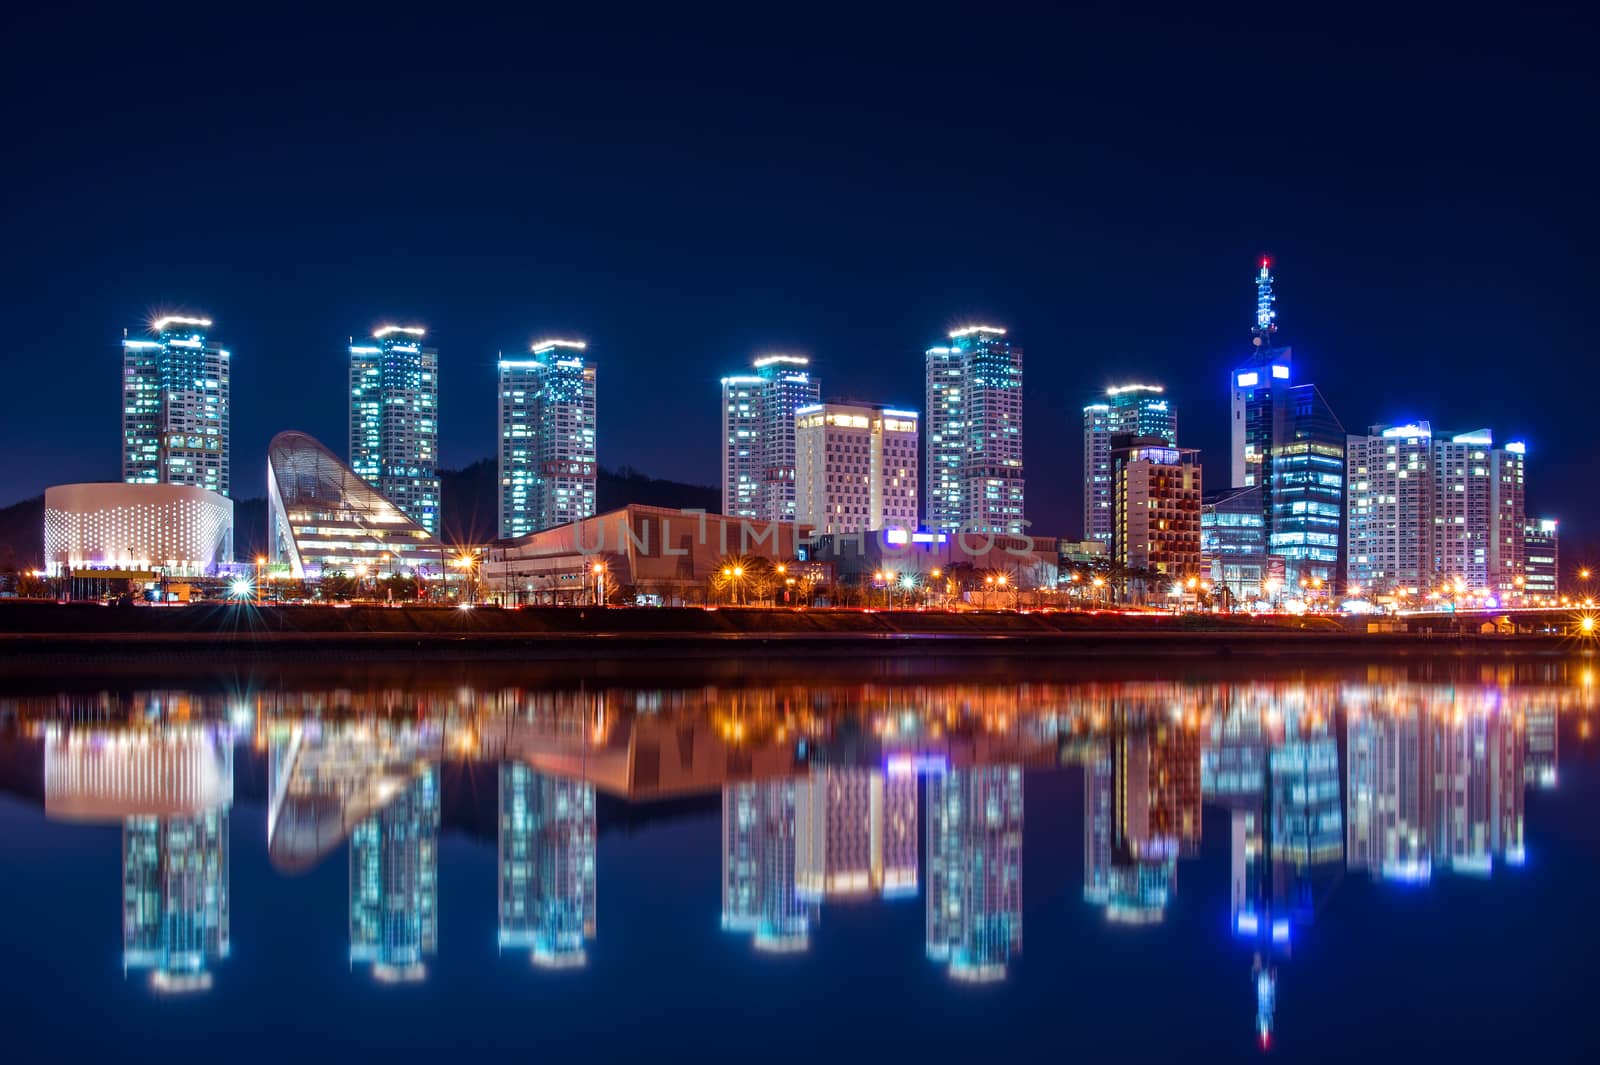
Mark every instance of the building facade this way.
pixel 1233 544
pixel 180 530
pixel 974 890
pixel 974 433
pixel 175 406
pixel 324 519
pixel 1287 441
pixel 758 441
pixel 1157 507
pixel 394 883
pixel 547 866
pixel 855 468
pixel 1541 561
pixel 548 448
pixel 1433 514
pixel 1135 410
pixel 394 420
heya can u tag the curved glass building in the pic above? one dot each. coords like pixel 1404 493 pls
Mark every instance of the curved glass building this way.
pixel 325 519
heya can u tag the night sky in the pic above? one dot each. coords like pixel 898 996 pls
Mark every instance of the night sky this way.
pixel 684 193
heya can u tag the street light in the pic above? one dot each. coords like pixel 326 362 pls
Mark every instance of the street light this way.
pixel 599 571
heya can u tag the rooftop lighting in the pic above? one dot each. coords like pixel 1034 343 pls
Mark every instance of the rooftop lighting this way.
pixel 794 360
pixel 409 330
pixel 542 346
pixel 160 324
pixel 1120 389
pixel 969 330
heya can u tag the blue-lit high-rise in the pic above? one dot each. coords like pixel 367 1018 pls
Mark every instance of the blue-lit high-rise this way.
pixel 394 420
pixel 1287 441
pixel 547 866
pixel 175 406
pixel 760 866
pixel 758 436
pixel 1133 410
pixel 547 438
pixel 973 433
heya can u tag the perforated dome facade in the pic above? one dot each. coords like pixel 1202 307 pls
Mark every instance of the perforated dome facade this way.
pixel 182 530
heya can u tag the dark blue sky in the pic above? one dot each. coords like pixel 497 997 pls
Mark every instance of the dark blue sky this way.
pixel 684 193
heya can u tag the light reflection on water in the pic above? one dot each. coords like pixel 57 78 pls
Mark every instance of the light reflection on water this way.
pixel 829 795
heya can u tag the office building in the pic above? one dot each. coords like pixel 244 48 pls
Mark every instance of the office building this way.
pixel 547 438
pixel 322 518
pixel 1134 410
pixel 175 406
pixel 1233 545
pixel 1287 441
pixel 974 890
pixel 974 433
pixel 1157 507
pixel 1435 514
pixel 394 420
pixel 1541 563
pixel 758 441
pixel 855 468
pixel 394 883
pixel 547 866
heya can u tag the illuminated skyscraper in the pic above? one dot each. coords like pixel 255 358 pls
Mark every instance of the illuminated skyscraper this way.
pixel 1429 512
pixel 394 883
pixel 1233 543
pixel 547 866
pixel 973 433
pixel 974 889
pixel 758 436
pixel 175 406
pixel 759 891
pixel 856 468
pixel 1287 441
pixel 394 420
pixel 1134 410
pixel 547 438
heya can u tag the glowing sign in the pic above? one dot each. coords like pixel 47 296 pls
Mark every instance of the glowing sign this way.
pixel 1249 380
pixel 1517 447
pixel 1281 372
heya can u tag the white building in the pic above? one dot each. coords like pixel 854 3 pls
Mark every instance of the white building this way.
pixel 547 438
pixel 758 425
pixel 1431 513
pixel 394 420
pixel 855 468
pixel 974 445
pixel 181 530
pixel 175 406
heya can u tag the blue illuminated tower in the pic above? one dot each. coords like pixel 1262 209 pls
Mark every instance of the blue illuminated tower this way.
pixel 1135 410
pixel 547 438
pixel 1287 441
pixel 974 889
pixel 175 406
pixel 758 436
pixel 973 433
pixel 394 883
pixel 394 420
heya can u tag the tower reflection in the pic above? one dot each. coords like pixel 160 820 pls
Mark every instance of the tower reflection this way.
pixel 547 866
pixel 974 903
pixel 394 878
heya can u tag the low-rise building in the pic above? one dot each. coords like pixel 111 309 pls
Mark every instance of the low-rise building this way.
pixel 173 530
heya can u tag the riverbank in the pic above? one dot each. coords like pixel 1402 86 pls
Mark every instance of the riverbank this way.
pixel 31 633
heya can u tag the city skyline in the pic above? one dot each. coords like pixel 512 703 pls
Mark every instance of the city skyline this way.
pixel 1399 251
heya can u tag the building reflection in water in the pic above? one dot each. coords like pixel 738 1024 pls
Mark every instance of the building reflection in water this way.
pixel 171 788
pixel 1434 784
pixel 760 887
pixel 819 788
pixel 394 883
pixel 974 885
pixel 547 866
